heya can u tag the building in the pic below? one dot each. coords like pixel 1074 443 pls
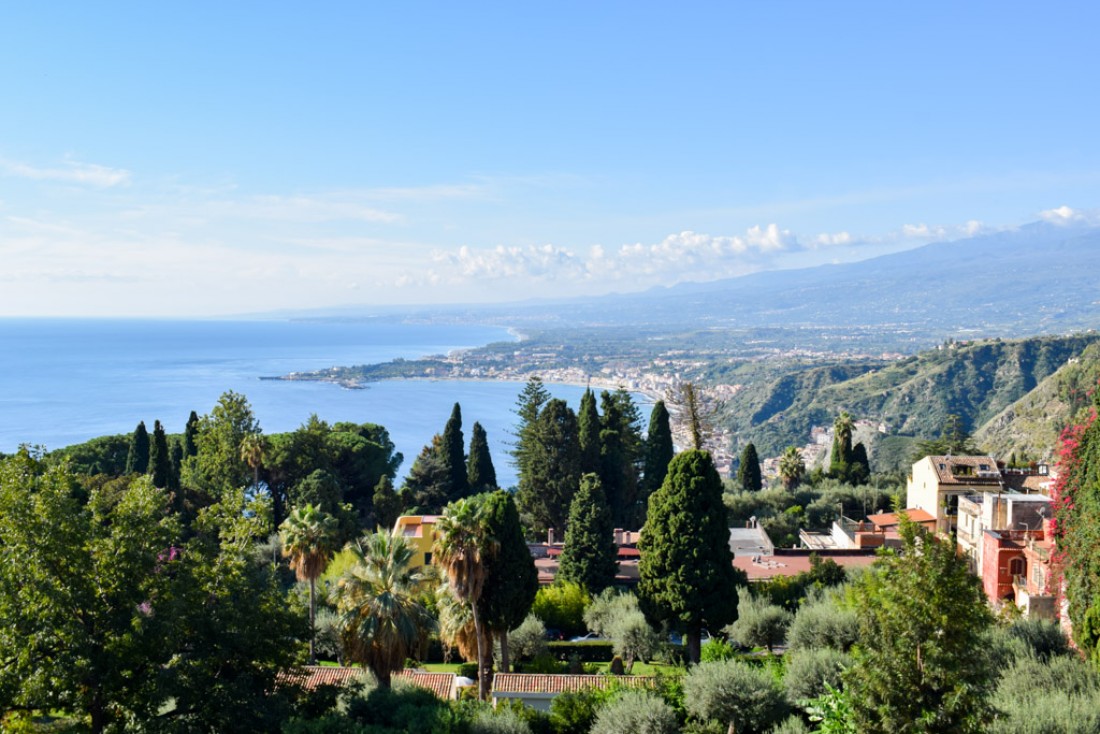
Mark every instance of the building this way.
pixel 419 532
pixel 877 531
pixel 538 691
pixel 936 483
pixel 997 511
pixel 1016 568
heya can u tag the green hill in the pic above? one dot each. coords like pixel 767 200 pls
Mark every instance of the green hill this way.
pixel 974 380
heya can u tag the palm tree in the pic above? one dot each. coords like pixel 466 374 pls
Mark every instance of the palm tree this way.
pixel 309 540
pixel 381 620
pixel 253 451
pixel 791 467
pixel 462 544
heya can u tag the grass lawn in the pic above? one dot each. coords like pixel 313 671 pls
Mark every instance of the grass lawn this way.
pixel 640 668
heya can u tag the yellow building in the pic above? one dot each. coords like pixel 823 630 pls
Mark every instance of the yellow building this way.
pixel 419 532
pixel 936 483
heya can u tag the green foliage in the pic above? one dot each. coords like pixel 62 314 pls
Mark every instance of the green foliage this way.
pixel 588 433
pixel 738 695
pixel 639 712
pixel 717 650
pixel 528 406
pixel 503 720
pixel 408 709
pixel 550 471
pixel 454 457
pixel 137 459
pixel 160 461
pixel 528 641
pixel 791 467
pixel 103 455
pixel 919 664
pixel 791 725
pixel 575 712
pixel 1054 696
pixel 759 623
pixel 823 624
pixel 954 440
pixel 427 486
pixel 617 616
pixel 619 444
pixel 658 451
pixel 807 672
pixel 686 568
pixel 561 606
pixel 840 458
pixel 511 580
pixel 590 556
pixel 748 471
pixel 832 712
pixel 387 504
pixel 480 472
pixel 1042 638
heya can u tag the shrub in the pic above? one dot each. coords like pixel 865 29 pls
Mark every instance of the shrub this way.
pixel 735 694
pixel 716 650
pixel 1045 639
pixel 791 725
pixel 527 641
pixel 562 606
pixel 1057 696
pixel 823 624
pixel 759 623
pixel 636 712
pixel 809 670
pixel 633 638
pixel 504 720
pixel 574 713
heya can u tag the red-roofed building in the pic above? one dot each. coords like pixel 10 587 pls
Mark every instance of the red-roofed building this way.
pixel 311 677
pixel 537 691
pixel 794 562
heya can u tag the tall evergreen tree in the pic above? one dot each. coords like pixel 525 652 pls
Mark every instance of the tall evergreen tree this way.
pixel 160 461
pixel 590 556
pixel 190 435
pixel 454 456
pixel 429 480
pixel 386 506
pixel 176 452
pixel 840 458
pixel 859 471
pixel 630 426
pixel 686 570
pixel 589 427
pixel 137 460
pixel 480 473
pixel 617 468
pixel 658 450
pixel 528 407
pixel 748 473
pixel 551 472
pixel 511 580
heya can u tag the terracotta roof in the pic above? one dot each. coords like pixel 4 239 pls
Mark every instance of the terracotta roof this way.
pixel 890 519
pixel 533 683
pixel 314 676
pixel 951 469
pixel 760 568
pixel 441 684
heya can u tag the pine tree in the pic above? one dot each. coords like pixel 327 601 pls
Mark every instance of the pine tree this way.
pixel 385 505
pixel 748 473
pixel 551 472
pixel 190 436
pixel 528 406
pixel 454 456
pixel 428 483
pixel 590 556
pixel 658 451
pixel 160 461
pixel 137 460
pixel 511 580
pixel 616 469
pixel 588 422
pixel 686 570
pixel 480 473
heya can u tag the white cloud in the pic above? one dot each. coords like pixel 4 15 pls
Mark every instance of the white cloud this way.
pixel 1065 215
pixel 72 172
pixel 829 240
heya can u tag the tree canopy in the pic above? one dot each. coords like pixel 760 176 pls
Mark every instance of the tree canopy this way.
pixel 590 556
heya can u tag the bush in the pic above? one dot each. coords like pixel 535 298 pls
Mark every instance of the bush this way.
pixel 575 712
pixel 823 624
pixel 562 606
pixel 809 670
pixel 759 623
pixel 504 720
pixel 633 638
pixel 1057 696
pixel 716 650
pixel 527 641
pixel 792 725
pixel 587 652
pixel 408 709
pixel 545 664
pixel 734 693
pixel 636 712
pixel 1043 638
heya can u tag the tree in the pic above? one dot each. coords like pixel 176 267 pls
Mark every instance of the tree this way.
pixel 428 481
pixel 160 460
pixel 693 412
pixel 748 473
pixel 387 505
pixel 686 568
pixel 588 429
pixel 218 468
pixel 382 621
pixel 528 407
pixel 747 699
pixel 920 665
pixel 137 461
pixel 954 440
pixel 480 473
pixel 454 456
pixel 253 451
pixel 859 470
pixel 639 712
pixel 462 545
pixel 590 556
pixel 658 451
pixel 617 469
pixel 309 540
pixel 551 470
pixel 1077 529
pixel 511 580
pixel 840 458
pixel 191 435
pixel 791 467
pixel 759 623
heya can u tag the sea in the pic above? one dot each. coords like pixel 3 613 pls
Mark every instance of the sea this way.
pixel 64 381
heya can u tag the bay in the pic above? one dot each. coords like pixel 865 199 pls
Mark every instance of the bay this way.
pixel 64 381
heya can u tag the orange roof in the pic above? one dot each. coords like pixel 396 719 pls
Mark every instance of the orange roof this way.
pixel 966 470
pixel 889 519
pixel 760 568
pixel 534 683
pixel 441 684
pixel 314 676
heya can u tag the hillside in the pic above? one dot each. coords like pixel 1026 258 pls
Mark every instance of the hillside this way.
pixel 975 381
pixel 1031 426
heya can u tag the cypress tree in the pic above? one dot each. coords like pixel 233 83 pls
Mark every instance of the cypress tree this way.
pixel 748 473
pixel 190 436
pixel 160 462
pixel 177 462
pixel 686 570
pixel 551 473
pixel 840 459
pixel 429 480
pixel 620 483
pixel 590 556
pixel 137 460
pixel 511 580
pixel 454 456
pixel 480 473
pixel 658 450
pixel 588 422
pixel 386 505
pixel 859 471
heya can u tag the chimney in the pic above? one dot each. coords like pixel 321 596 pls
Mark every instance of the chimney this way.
pixel 618 536
pixel 550 536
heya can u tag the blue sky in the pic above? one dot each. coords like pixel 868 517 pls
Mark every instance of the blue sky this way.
pixel 217 158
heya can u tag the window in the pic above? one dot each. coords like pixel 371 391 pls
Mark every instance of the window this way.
pixel 1017 566
pixel 427 559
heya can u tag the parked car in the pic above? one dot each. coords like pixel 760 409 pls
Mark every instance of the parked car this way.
pixel 590 637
